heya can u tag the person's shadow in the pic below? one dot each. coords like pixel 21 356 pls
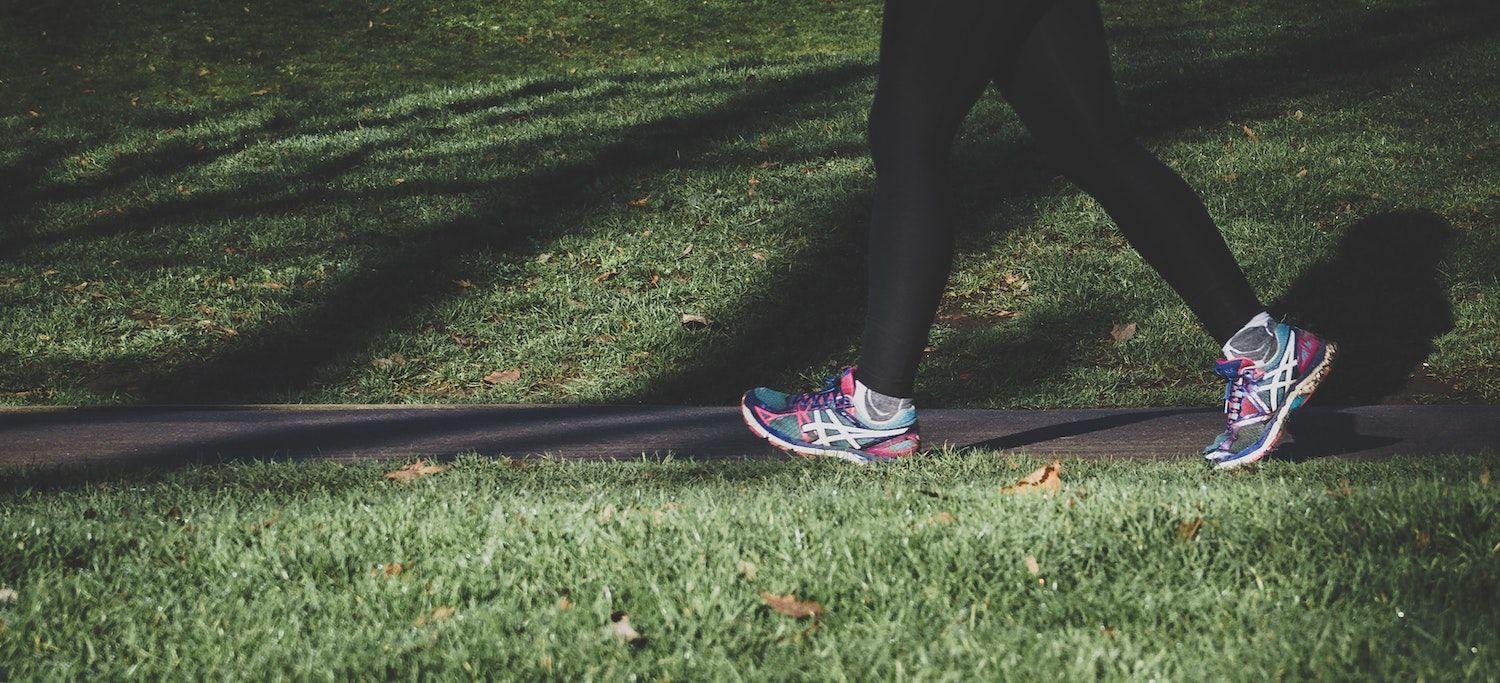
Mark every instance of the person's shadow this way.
pixel 1380 297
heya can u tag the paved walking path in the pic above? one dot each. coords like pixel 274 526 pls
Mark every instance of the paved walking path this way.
pixel 163 435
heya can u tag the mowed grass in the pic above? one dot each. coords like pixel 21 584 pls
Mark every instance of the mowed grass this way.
pixel 1143 570
pixel 349 202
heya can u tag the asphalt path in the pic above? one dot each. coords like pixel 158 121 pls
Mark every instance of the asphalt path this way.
pixel 171 435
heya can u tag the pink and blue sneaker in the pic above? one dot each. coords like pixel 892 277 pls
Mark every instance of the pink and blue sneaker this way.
pixel 826 423
pixel 1258 398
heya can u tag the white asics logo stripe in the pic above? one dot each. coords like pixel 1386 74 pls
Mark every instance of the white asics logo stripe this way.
pixel 830 429
pixel 1284 378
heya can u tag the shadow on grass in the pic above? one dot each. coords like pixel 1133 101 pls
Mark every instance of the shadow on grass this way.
pixel 292 354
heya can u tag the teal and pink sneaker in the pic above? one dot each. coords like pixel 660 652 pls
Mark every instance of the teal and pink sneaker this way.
pixel 825 423
pixel 1259 399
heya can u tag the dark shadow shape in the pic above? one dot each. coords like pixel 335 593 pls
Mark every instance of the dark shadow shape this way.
pixel 1324 433
pixel 1381 297
pixel 1075 428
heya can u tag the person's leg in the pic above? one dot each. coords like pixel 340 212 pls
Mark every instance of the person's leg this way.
pixel 936 58
pixel 1061 86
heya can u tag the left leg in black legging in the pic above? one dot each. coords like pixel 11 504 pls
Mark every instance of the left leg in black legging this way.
pixel 1061 86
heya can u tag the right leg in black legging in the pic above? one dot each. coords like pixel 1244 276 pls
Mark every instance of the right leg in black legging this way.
pixel 1061 86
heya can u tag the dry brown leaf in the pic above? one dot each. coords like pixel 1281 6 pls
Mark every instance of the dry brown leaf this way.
pixel 442 613
pixel 1032 565
pixel 563 603
pixel 1046 479
pixel 747 569
pixel 1302 173
pixel 393 569
pixel 420 468
pixel 8 595
pixel 606 276
pixel 687 249
pixel 270 284
pixel 1122 332
pixel 696 321
pixel 503 376
pixel 943 517
pixel 641 201
pixel 1298 114
pixel 620 628
pixel 1484 475
pixel 1422 541
pixel 1187 531
pixel 1249 132
pixel 1343 491
pixel 789 605
pixel 262 91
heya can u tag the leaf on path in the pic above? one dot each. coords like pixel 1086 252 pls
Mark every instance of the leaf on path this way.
pixel 1187 531
pixel 1249 132
pixel 1046 479
pixel 503 376
pixel 1122 332
pixel 789 605
pixel 1032 565
pixel 420 468
pixel 696 321
pixel 620 628
pixel 747 569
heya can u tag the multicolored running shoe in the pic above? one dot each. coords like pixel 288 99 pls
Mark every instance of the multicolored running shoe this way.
pixel 1258 399
pixel 825 423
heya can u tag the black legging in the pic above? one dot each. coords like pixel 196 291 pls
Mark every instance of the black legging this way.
pixel 1049 60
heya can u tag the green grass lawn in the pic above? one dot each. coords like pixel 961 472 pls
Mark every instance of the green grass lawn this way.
pixel 1155 570
pixel 352 202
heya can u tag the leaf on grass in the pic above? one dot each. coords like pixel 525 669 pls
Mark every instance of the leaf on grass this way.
pixel 640 201
pixel 174 514
pixel 1032 566
pixel 788 605
pixel 262 91
pixel 1249 132
pixel 1122 332
pixel 442 613
pixel 1187 531
pixel 8 595
pixel 1298 114
pixel 1046 479
pixel 1422 541
pixel 503 376
pixel 420 468
pixel 393 569
pixel 1302 173
pixel 696 321
pixel 1343 491
pixel 606 276
pixel 464 283
pixel 564 604
pixel 687 249
pixel 620 628
pixel 943 517
pixel 747 569
pixel 1484 475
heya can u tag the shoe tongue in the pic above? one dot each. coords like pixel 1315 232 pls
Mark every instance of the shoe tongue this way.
pixel 846 382
pixel 1230 368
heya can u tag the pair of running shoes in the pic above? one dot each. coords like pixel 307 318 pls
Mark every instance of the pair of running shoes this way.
pixel 1258 400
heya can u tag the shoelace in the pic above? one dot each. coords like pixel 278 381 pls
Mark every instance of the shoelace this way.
pixel 829 396
pixel 1241 387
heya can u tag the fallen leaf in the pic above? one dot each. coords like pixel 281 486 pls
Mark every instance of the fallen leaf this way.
pixel 174 514
pixel 1187 531
pixel 606 276
pixel 620 628
pixel 1298 115
pixel 1343 491
pixel 1302 173
pixel 747 569
pixel 640 202
pixel 463 283
pixel 1046 479
pixel 503 376
pixel 942 517
pixel 262 91
pixel 1484 475
pixel 442 613
pixel 563 603
pixel 695 321
pixel 687 249
pixel 8 595
pixel 1422 540
pixel 1249 132
pixel 420 468
pixel 1122 332
pixel 391 569
pixel 757 256
pixel 383 363
pixel 269 284
pixel 1032 565
pixel 789 605
pixel 544 257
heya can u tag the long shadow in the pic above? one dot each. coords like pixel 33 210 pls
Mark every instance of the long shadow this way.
pixel 285 357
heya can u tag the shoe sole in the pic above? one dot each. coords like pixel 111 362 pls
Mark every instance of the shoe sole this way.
pixel 1304 389
pixel 796 449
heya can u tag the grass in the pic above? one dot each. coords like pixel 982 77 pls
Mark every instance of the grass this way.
pixel 348 202
pixel 1155 570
